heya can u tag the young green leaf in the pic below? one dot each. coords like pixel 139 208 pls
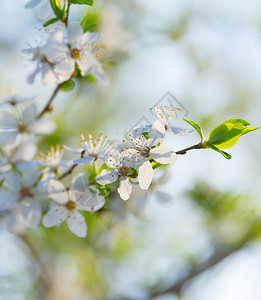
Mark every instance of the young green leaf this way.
pixel 196 126
pixel 226 134
pixel 89 21
pixel 88 2
pixel 225 154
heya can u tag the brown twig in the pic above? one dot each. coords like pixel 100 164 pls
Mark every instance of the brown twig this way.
pixel 48 104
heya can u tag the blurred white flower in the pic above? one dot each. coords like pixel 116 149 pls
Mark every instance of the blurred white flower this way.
pixel 19 192
pixel 145 148
pixel 70 203
pixel 44 11
pixel 26 122
pixel 123 165
pixel 44 63
pixel 13 100
pixel 78 49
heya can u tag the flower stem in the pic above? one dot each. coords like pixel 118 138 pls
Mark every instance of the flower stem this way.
pixel 184 151
pixel 48 104
pixel 67 14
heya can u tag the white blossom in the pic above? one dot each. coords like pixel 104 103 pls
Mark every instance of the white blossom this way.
pixel 148 148
pixel 26 122
pixel 77 49
pixel 164 120
pixel 92 149
pixel 20 192
pixel 123 165
pixel 70 203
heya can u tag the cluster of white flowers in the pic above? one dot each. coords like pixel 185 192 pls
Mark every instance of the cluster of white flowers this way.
pixel 67 52
pixel 31 191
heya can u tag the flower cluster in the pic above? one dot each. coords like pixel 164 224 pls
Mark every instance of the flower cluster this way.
pixel 31 187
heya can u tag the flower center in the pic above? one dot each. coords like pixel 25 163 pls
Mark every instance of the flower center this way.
pixel 25 192
pixel 124 171
pixel 21 128
pixel 145 152
pixel 75 53
pixel 70 205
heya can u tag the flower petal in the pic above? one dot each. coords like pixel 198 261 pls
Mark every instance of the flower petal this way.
pixel 163 155
pixel 31 4
pixel 7 137
pixel 57 192
pixel 42 126
pixel 28 112
pixel 75 33
pixel 7 200
pixel 12 179
pixel 159 126
pixel 77 224
pixel 180 131
pixel 64 69
pixel 125 188
pixel 84 160
pixel 55 216
pixel 145 175
pixel 106 177
pixel 7 120
pixel 31 212
pixel 48 76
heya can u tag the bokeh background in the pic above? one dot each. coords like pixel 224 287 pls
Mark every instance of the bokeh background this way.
pixel 195 235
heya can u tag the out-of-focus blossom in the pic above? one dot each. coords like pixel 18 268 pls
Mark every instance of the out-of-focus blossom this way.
pixel 26 122
pixel 70 203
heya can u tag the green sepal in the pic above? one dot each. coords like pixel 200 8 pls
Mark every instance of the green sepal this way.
pixel 196 126
pixel 67 86
pixel 51 21
pixel 57 9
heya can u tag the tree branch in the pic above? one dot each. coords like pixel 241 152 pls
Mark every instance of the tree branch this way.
pixel 48 104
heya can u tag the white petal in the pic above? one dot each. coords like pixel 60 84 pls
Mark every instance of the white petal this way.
pixel 31 212
pixel 42 126
pixel 99 75
pixel 27 149
pixel 145 175
pixel 64 69
pixel 155 137
pixel 84 160
pixel 48 76
pixel 163 155
pixel 106 177
pixel 7 120
pixel 28 112
pixel 79 185
pixel 125 188
pixel 75 151
pixel 84 65
pixel 7 137
pixel 91 37
pixel 90 202
pixel 31 4
pixel 77 224
pixel 55 216
pixel 30 172
pixel 7 200
pixel 43 184
pixel 56 37
pixel 55 51
pixel 75 33
pixel 159 126
pixel 45 11
pixel 30 78
pixel 12 179
pixel 57 192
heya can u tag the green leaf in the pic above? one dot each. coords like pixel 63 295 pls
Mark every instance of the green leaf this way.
pixel 225 154
pixel 226 134
pixel 88 2
pixel 51 21
pixel 67 85
pixel 196 126
pixel 89 21
pixel 57 9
